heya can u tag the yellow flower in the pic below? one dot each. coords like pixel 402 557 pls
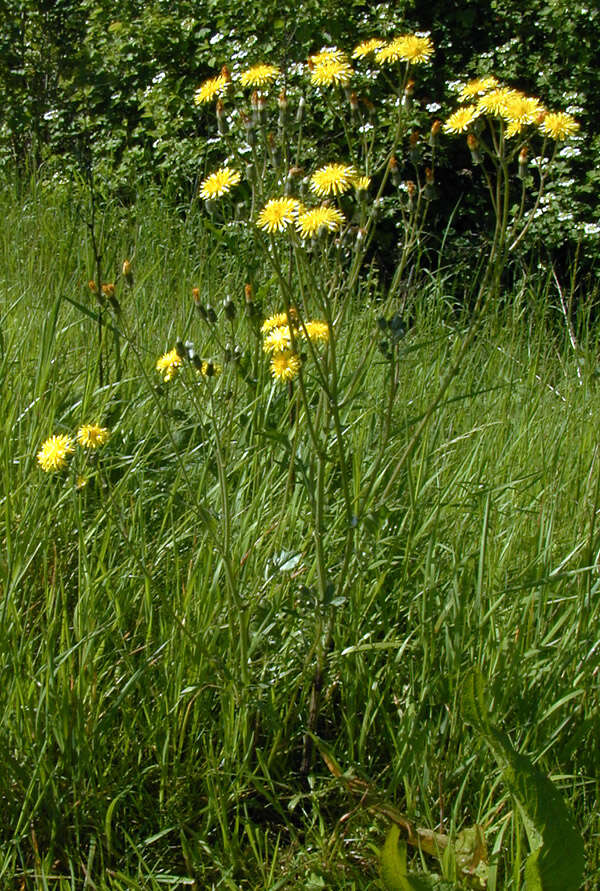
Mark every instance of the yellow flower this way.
pixel 285 365
pixel 210 369
pixel 316 330
pixel 520 112
pixel 169 364
pixel 329 55
pixel 277 214
pixel 559 125
pixel 212 87
pixel 259 75
pixel 331 72
pixel 461 119
pixel 277 321
pixel 90 436
pixel 496 101
pixel 362 183
pixel 219 183
pixel 325 218
pixel 54 452
pixel 477 87
pixel 333 179
pixel 277 340
pixel 367 47
pixel 406 48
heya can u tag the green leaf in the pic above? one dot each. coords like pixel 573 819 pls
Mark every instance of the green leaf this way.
pixel 393 866
pixel 557 859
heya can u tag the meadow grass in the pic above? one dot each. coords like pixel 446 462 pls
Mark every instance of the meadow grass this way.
pixel 143 746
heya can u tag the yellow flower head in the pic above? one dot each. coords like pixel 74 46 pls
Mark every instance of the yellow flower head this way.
pixel 169 364
pixel 277 214
pixel 461 119
pixel 316 331
pixel 331 72
pixel 329 55
pixel 285 365
pixel 259 75
pixel 318 219
pixel 211 88
pixel 477 87
pixel 520 112
pixel 362 183
pixel 219 183
pixel 54 452
pixel 559 125
pixel 333 179
pixel 277 340
pixel 90 436
pixel 276 321
pixel 367 48
pixel 210 369
pixel 496 101
pixel 406 48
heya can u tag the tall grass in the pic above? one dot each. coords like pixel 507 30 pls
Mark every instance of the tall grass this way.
pixel 142 746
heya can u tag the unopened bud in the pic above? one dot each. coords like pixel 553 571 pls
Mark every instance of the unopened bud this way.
pixel 394 171
pixel 414 149
pixel 211 315
pixel 229 309
pixel 473 144
pixel 196 295
pixel 407 97
pixel 300 111
pixel 127 273
pixel 225 73
pixel 354 103
pixel 180 349
pixel 221 118
pixel 523 162
pixel 429 190
pixel 282 104
pixel 262 110
pixel 434 134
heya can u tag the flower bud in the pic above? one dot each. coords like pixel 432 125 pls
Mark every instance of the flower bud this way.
pixel 523 162
pixel 127 273
pixel 229 308
pixel 434 134
pixel 180 349
pixel 262 110
pixel 394 171
pixel 221 118
pixel 407 97
pixel 282 104
pixel 300 111
pixel 429 191
pixel 473 144
pixel 353 104
pixel 414 149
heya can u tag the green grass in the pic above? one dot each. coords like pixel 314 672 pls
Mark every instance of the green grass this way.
pixel 139 751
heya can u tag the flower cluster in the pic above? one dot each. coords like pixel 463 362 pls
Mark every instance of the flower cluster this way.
pixel 56 450
pixel 171 363
pixel 485 97
pixel 281 334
